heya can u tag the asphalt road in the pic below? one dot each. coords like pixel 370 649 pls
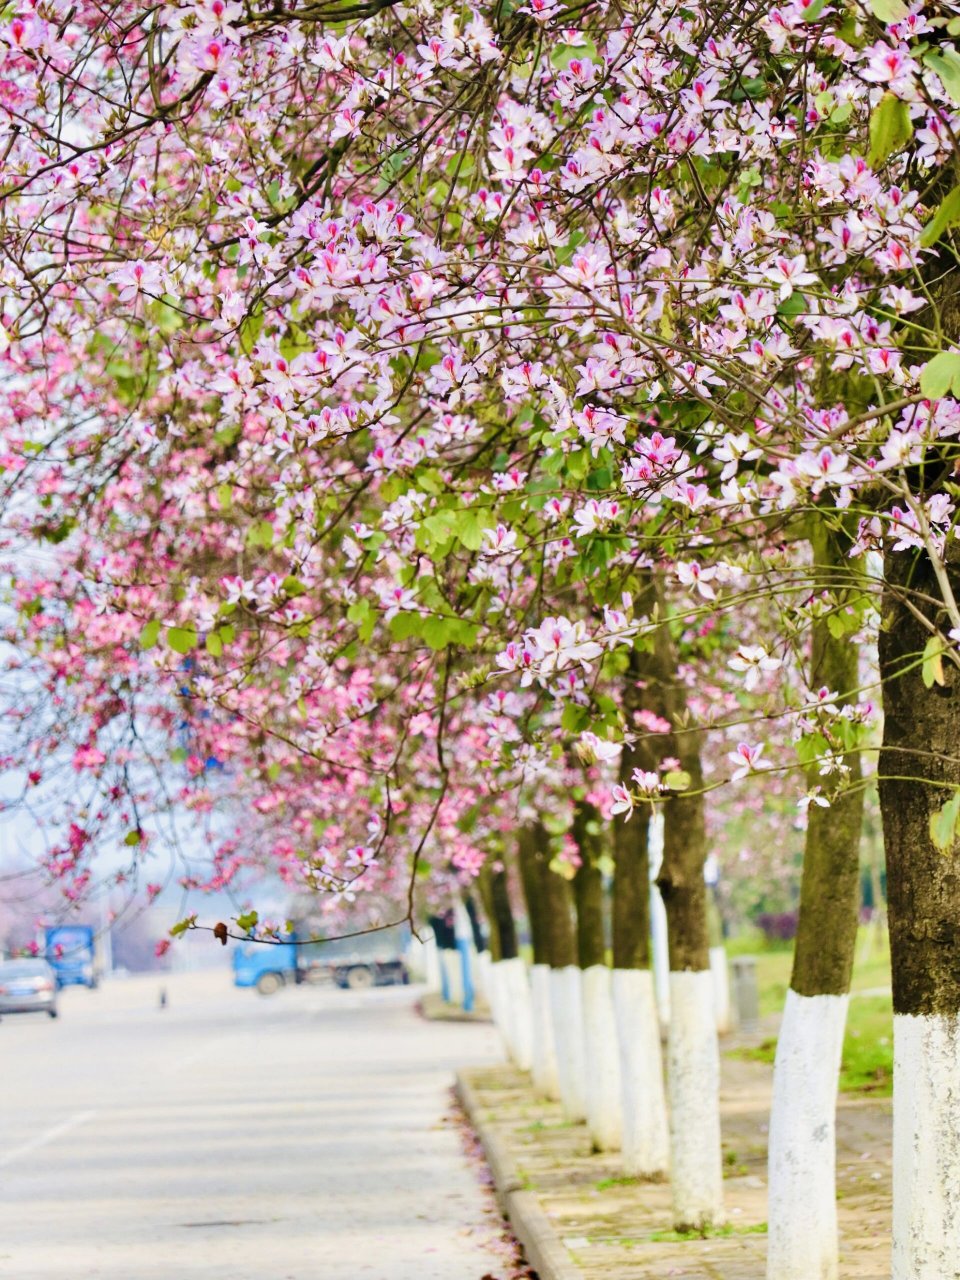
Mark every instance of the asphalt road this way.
pixel 304 1136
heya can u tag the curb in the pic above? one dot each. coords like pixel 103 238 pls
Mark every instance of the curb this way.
pixel 542 1246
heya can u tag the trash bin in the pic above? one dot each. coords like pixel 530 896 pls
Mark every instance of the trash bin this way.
pixel 745 998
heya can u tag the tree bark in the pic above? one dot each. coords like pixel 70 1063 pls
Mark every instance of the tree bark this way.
pixel 558 936
pixel 693 1053
pixel 485 887
pixel 601 1047
pixel 565 995
pixel 631 882
pixel 919 774
pixel 532 872
pixel 830 885
pixel 588 887
pixel 802 1148
pixel 503 914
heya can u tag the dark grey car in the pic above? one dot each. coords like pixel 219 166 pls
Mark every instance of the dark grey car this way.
pixel 27 986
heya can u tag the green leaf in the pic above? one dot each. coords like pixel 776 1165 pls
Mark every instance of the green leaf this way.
pixel 795 305
pixel 293 587
pixel 181 639
pixel 813 10
pixel 247 921
pixel 405 625
pixel 574 719
pixel 677 780
pixel 932 669
pixel 150 634
pixel 133 838
pixel 362 614
pixel 844 623
pixel 565 252
pixel 183 925
pixel 260 534
pixel 945 824
pixel 213 644
pixel 946 216
pixel 887 11
pixel 440 526
pixel 941 375
pixel 811 747
pixel 438 632
pixel 470 527
pixel 946 63
pixel 890 128
pixel 250 330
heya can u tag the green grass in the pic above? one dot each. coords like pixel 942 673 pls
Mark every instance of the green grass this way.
pixel 868 1045
pixel 605 1183
pixel 708 1233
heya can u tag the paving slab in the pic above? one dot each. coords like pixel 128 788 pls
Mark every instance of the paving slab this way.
pixel 615 1228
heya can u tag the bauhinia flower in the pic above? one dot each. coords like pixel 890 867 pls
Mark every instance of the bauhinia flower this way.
pixel 692 574
pixel 558 643
pixel 754 661
pixel 622 800
pixel 747 759
pixel 592 749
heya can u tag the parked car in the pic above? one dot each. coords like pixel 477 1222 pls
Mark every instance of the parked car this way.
pixel 27 986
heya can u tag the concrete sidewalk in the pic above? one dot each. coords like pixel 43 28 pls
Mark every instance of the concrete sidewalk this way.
pixel 609 1227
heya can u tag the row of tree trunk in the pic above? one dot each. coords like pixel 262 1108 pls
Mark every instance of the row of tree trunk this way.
pixel 594 1038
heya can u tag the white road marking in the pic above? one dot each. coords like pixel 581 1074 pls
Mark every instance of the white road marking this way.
pixel 43 1139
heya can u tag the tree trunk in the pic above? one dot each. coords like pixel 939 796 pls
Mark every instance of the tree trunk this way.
pixel 802 1211
pixel 503 914
pixel 631 882
pixel 533 851
pixel 588 887
pixel 485 887
pixel 507 993
pixel 601 1049
pixel 919 774
pixel 530 861
pixel 693 1059
pixel 646 1140
pixel 566 998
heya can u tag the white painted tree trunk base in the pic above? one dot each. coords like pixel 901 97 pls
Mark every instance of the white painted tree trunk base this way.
pixel 484 963
pixel 430 954
pixel 659 940
pixel 546 1081
pixel 566 1011
pixel 693 1077
pixel 451 963
pixel 500 1006
pixel 802 1213
pixel 926 1147
pixel 520 1016
pixel 646 1133
pixel 602 1060
pixel 721 988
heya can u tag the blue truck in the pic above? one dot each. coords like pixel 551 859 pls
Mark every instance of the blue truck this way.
pixel 69 950
pixel 266 966
pixel 368 960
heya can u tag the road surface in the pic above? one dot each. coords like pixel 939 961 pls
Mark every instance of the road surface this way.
pixel 230 1136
